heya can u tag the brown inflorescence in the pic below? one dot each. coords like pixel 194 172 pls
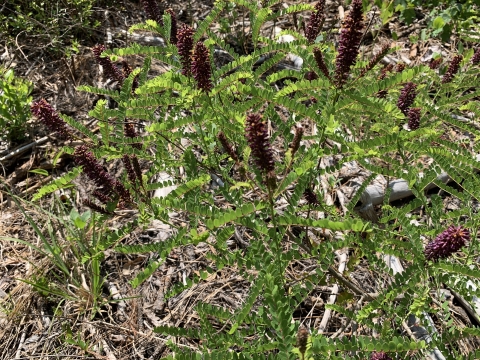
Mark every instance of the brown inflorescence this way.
pixel 95 207
pixel 102 195
pixel 407 97
pixel 315 22
pixel 413 118
pixel 173 28
pixel 129 131
pixel 152 11
pixel 380 356
pixel 452 69
pixel 126 71
pixel 383 74
pixel 447 243
pixel 310 75
pixel 302 339
pixel 132 176
pixel 376 59
pixel 295 145
pixel 201 68
pixel 311 197
pixel 476 57
pixel 137 169
pixel 111 71
pixel 257 138
pixel 317 53
pixel 50 118
pixel 349 42
pixel 227 146
pixel 400 67
pixel 95 172
pixel 435 63
pixel 185 48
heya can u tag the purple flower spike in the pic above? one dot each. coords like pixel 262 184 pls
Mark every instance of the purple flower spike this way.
pixel 447 243
pixel 476 57
pixel 435 63
pixel 380 356
pixel 173 29
pixel 317 53
pixel 257 137
pixel 315 22
pixel 92 167
pixel 414 118
pixel 110 70
pixel 407 97
pixel 201 68
pixel 349 42
pixel 49 117
pixel 152 11
pixel 185 48
pixel 452 69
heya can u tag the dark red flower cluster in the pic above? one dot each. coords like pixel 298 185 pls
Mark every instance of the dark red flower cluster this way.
pixel 400 67
pixel 185 48
pixel 315 22
pixel 49 117
pixel 257 137
pixel 413 118
pixel 295 145
pixel 173 28
pixel 111 71
pixel 435 63
pixel 380 356
pixel 227 146
pixel 302 339
pixel 447 243
pixel 452 69
pixel 311 197
pixel 376 59
pixel 152 11
pixel 476 57
pixel 129 131
pixel 95 172
pixel 201 68
pixel 126 71
pixel 317 53
pixel 95 207
pixel 349 42
pixel 407 97
pixel 383 74
pixel 310 75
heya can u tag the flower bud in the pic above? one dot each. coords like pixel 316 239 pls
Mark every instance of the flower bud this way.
pixel 185 48
pixel 257 137
pixel 413 118
pixel 201 68
pixel 49 117
pixel 110 70
pixel 407 97
pixel 452 69
pixel 447 243
pixel 349 42
pixel 315 22
pixel 152 11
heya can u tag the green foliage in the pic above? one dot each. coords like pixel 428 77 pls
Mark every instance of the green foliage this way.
pixel 14 106
pixel 443 17
pixel 59 24
pixel 347 124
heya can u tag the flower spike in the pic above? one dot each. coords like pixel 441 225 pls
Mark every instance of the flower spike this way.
pixel 407 97
pixel 452 69
pixel 111 71
pixel 201 68
pixel 49 117
pixel 185 48
pixel 315 22
pixel 257 137
pixel 447 243
pixel 349 42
